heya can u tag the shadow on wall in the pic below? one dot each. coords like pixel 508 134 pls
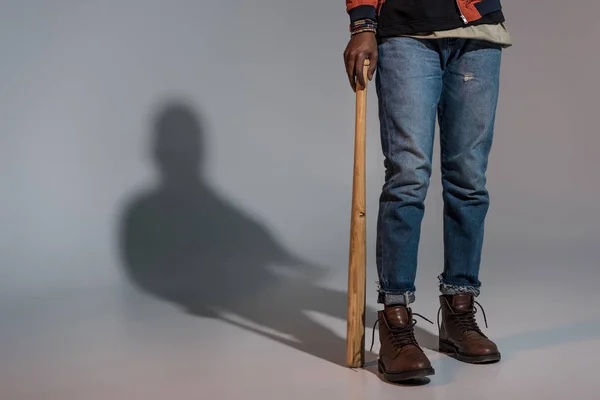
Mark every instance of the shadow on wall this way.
pixel 184 243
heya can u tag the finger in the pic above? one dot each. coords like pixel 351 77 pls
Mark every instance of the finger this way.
pixel 350 61
pixel 359 70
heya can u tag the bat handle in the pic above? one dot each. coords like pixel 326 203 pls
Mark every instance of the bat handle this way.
pixel 366 66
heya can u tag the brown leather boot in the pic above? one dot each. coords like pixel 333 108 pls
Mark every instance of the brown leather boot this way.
pixel 460 335
pixel 400 357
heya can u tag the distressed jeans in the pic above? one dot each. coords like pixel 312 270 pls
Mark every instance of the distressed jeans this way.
pixel 455 80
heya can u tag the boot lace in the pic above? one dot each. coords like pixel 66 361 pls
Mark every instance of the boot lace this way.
pixel 401 335
pixel 465 320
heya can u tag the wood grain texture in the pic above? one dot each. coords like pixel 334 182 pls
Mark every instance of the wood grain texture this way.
pixel 355 335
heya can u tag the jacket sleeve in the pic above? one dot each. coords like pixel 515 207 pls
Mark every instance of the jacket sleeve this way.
pixel 363 9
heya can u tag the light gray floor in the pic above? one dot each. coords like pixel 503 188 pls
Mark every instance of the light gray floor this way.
pixel 118 343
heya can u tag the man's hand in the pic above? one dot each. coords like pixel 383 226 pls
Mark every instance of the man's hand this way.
pixel 361 47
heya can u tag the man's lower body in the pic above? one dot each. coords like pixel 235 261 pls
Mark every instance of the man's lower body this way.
pixel 455 81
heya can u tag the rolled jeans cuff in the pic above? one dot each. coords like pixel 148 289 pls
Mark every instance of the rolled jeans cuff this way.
pixel 450 289
pixel 396 298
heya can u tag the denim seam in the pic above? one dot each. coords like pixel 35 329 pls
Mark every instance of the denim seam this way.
pixel 441 114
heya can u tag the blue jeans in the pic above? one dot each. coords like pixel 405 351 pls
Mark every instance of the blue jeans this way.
pixel 455 80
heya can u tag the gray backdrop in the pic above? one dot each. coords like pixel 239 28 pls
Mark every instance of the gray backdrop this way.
pixel 84 85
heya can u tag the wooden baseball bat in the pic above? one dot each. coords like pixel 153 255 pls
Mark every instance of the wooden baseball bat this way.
pixel 357 274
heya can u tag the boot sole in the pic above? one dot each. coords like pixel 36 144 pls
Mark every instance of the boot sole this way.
pixel 405 376
pixel 452 351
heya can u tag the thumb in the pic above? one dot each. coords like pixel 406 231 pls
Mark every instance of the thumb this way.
pixel 372 68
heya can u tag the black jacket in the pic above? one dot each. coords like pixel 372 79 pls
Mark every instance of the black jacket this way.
pixel 405 17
